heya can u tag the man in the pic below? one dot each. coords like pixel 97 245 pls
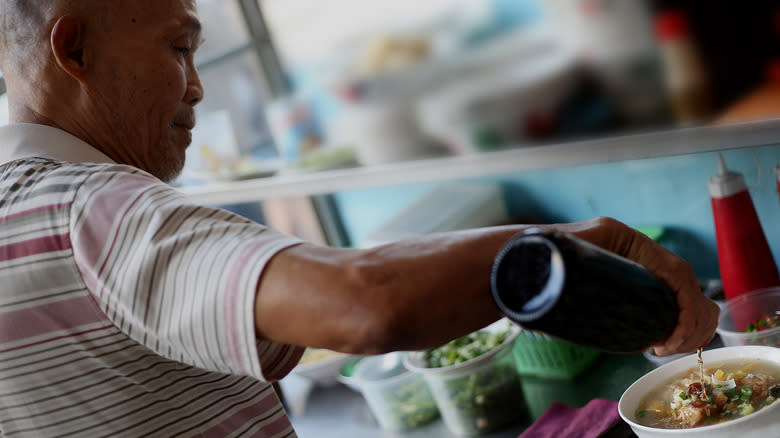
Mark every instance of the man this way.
pixel 126 310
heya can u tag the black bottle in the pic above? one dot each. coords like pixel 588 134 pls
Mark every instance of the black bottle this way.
pixel 558 284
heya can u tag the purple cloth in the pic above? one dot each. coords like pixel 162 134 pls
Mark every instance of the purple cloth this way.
pixel 588 421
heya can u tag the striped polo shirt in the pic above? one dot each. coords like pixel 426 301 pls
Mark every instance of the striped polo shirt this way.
pixel 125 310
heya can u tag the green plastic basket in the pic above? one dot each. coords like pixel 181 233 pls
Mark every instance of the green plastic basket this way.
pixel 537 354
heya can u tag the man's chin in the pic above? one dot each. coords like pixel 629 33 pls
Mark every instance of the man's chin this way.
pixel 167 169
pixel 171 174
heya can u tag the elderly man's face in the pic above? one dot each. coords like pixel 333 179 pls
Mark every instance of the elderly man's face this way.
pixel 145 84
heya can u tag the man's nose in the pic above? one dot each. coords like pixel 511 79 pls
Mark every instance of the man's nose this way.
pixel 194 87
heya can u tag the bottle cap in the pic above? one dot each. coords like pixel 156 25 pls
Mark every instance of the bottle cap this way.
pixel 726 183
pixel 533 266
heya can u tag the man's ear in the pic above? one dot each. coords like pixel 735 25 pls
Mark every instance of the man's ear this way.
pixel 67 44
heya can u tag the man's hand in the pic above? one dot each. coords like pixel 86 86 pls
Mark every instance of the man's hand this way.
pixel 698 314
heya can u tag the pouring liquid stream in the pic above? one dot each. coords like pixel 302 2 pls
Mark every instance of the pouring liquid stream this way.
pixel 701 371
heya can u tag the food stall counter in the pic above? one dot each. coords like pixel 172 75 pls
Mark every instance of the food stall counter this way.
pixel 339 411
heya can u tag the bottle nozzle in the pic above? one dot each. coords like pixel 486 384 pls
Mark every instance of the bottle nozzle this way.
pixel 726 182
pixel 722 169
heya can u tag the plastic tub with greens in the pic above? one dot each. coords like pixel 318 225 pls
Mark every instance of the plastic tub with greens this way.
pixel 760 314
pixel 398 398
pixel 474 380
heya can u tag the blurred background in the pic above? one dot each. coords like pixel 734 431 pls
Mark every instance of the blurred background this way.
pixel 307 84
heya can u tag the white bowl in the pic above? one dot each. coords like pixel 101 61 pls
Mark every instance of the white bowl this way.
pixel 761 424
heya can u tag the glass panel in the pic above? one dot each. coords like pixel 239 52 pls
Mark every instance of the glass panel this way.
pixel 391 76
pixel 235 85
pixel 231 120
pixel 224 28
pixel 232 137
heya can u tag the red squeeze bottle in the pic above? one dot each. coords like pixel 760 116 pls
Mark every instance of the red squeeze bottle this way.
pixel 745 260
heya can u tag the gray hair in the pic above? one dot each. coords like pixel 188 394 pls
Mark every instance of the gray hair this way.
pixel 25 26
pixel 21 22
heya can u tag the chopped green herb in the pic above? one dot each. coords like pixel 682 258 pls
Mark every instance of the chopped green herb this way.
pixel 464 348
pixel 745 393
pixel 765 322
pixel 733 394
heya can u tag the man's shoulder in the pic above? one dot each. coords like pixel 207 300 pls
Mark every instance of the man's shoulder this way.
pixel 38 173
pixel 34 165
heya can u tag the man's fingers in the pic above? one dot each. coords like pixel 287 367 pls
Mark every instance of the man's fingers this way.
pixel 698 320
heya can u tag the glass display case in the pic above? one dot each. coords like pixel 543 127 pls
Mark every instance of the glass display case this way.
pixel 466 71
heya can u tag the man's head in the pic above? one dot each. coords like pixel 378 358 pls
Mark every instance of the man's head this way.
pixel 118 74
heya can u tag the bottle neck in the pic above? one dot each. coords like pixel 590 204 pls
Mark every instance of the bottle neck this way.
pixel 723 186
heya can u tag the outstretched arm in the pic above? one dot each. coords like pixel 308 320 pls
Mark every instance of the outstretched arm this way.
pixel 423 292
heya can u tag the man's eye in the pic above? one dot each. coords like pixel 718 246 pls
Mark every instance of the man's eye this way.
pixel 184 51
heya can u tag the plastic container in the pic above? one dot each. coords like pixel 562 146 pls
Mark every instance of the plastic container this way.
pixel 537 354
pixel 398 398
pixel 477 396
pixel 753 305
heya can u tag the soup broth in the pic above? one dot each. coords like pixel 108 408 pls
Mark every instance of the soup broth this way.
pixel 731 390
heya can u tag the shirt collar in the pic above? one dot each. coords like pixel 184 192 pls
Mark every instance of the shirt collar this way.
pixel 26 140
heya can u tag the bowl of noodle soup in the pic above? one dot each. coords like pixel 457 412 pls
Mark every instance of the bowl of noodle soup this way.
pixel 664 403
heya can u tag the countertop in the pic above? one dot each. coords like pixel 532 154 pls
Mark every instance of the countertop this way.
pixel 340 412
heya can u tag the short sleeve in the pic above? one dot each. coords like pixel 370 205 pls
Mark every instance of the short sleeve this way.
pixel 177 277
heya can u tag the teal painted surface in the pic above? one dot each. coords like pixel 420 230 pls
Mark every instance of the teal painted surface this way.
pixel 669 191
